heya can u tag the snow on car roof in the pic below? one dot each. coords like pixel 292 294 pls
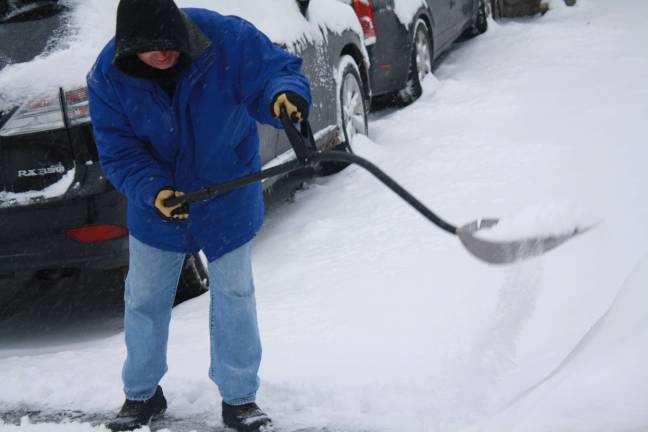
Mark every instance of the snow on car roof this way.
pixel 92 24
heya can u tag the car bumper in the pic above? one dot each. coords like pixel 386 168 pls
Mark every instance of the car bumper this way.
pixel 49 247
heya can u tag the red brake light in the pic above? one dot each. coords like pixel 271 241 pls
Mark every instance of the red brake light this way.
pixel 96 233
pixel 364 11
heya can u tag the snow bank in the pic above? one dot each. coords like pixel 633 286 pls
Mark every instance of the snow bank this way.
pixel 92 24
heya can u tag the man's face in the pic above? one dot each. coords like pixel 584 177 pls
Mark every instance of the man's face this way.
pixel 162 60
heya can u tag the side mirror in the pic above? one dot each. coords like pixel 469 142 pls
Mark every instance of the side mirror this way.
pixel 303 6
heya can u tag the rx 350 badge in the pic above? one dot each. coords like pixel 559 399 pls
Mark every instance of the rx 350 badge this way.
pixel 39 172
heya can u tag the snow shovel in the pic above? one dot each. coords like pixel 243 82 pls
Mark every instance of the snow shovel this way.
pixel 303 143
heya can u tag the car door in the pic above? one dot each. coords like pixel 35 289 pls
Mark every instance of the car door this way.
pixel 318 69
pixel 268 137
pixel 462 13
pixel 442 22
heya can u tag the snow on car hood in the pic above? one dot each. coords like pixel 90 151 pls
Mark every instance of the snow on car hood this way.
pixel 93 24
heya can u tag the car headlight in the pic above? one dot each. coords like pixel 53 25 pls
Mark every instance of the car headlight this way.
pixel 56 112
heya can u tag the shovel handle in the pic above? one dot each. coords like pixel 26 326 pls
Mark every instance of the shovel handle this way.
pixel 302 140
pixel 214 190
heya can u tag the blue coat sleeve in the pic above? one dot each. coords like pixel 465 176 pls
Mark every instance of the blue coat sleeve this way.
pixel 124 158
pixel 265 71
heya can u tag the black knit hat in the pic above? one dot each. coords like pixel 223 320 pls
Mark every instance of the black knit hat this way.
pixel 148 25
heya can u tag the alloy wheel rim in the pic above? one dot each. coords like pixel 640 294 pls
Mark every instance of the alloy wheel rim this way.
pixel 352 108
pixel 423 60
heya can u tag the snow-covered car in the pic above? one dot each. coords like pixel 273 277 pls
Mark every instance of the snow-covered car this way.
pixel 403 37
pixel 59 217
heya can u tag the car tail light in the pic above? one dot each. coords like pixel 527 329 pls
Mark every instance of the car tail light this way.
pixel 97 233
pixel 35 116
pixel 364 11
pixel 77 106
pixel 47 114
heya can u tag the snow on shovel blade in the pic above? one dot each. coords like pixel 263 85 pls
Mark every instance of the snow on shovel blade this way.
pixel 505 252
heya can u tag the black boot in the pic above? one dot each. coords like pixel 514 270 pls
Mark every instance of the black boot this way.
pixel 246 418
pixel 135 414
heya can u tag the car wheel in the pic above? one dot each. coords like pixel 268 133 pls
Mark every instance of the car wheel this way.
pixel 420 63
pixel 194 279
pixel 352 100
pixel 479 21
pixel 352 110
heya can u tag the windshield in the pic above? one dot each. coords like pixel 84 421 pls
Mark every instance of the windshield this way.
pixel 28 28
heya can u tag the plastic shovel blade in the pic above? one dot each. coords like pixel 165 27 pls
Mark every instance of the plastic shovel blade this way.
pixel 506 252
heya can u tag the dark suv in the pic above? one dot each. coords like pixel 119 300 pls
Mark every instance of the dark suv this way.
pixel 58 214
pixel 60 220
pixel 403 41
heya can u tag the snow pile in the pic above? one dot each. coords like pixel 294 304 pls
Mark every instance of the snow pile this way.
pixel 540 220
pixel 92 25
pixel 10 199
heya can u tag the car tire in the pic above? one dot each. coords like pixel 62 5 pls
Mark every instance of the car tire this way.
pixel 352 110
pixel 194 279
pixel 420 63
pixel 479 21
pixel 352 102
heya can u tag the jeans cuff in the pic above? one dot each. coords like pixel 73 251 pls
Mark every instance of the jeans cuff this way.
pixel 141 396
pixel 241 401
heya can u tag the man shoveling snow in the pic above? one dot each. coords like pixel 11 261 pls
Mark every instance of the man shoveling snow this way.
pixel 174 98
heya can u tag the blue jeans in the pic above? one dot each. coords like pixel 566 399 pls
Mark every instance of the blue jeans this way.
pixel 234 334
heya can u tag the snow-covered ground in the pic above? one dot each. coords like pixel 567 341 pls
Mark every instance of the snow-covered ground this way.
pixel 374 320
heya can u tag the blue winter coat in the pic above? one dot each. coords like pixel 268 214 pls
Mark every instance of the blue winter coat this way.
pixel 205 134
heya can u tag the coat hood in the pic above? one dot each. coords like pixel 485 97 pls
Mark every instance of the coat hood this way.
pixel 151 25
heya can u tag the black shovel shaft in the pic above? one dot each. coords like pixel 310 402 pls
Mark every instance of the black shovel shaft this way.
pixel 332 156
pixel 303 143
pixel 214 190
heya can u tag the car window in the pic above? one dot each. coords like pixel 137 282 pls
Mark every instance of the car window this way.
pixel 26 10
pixel 29 28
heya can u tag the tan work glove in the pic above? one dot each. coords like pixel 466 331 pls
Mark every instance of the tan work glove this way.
pixel 296 106
pixel 172 213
